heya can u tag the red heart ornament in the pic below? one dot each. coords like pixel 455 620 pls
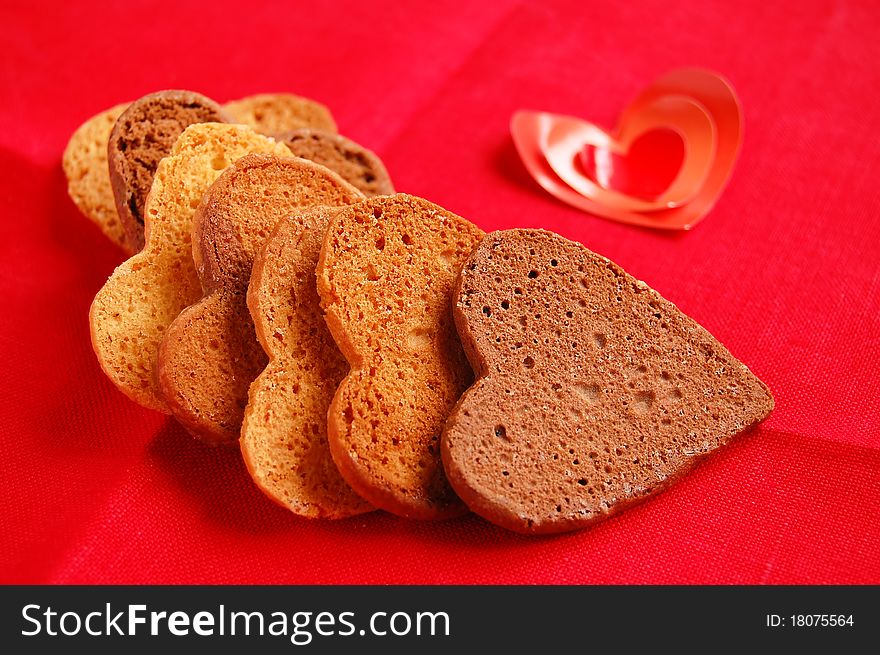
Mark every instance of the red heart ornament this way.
pixel 686 117
pixel 699 105
pixel 645 171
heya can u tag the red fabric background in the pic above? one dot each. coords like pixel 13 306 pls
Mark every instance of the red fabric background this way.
pixel 785 272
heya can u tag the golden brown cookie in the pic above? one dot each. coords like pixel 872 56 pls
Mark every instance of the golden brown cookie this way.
pixel 284 436
pixel 209 355
pixel 357 165
pixel 386 275
pixel 592 391
pixel 273 113
pixel 88 178
pixel 133 309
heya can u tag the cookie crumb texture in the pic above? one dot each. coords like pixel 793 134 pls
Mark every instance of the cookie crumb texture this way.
pixel 88 180
pixel 86 164
pixel 592 392
pixel 143 135
pixel 386 275
pixel 357 165
pixel 131 312
pixel 284 435
pixel 273 113
pixel 210 356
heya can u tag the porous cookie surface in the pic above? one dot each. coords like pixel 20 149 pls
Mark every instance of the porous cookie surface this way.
pixel 284 435
pixel 273 113
pixel 385 277
pixel 133 309
pixel 145 133
pixel 357 165
pixel 88 178
pixel 592 391
pixel 210 355
pixel 88 175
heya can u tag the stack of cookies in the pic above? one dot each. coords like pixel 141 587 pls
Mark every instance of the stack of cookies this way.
pixel 365 349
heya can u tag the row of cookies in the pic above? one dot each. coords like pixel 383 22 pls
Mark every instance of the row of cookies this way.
pixel 515 374
pixel 154 171
pixel 111 158
pixel 332 333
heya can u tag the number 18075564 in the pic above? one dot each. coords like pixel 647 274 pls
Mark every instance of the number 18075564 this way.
pixel 809 621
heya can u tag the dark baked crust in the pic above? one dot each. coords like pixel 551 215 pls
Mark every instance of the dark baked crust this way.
pixel 142 136
pixel 592 392
pixel 358 166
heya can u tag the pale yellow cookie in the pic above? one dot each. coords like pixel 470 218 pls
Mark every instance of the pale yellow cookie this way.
pixel 88 179
pixel 146 293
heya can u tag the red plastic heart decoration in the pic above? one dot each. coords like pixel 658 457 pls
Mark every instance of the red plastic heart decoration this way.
pixel 645 171
pixel 659 186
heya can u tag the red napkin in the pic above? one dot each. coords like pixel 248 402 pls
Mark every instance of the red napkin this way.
pixel 785 271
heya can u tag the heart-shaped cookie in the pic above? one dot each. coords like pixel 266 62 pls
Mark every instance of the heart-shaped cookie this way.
pixel 143 135
pixel 88 177
pixel 274 113
pixel 385 276
pixel 209 355
pixel 591 390
pixel 284 434
pixel 355 164
pixel 130 314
